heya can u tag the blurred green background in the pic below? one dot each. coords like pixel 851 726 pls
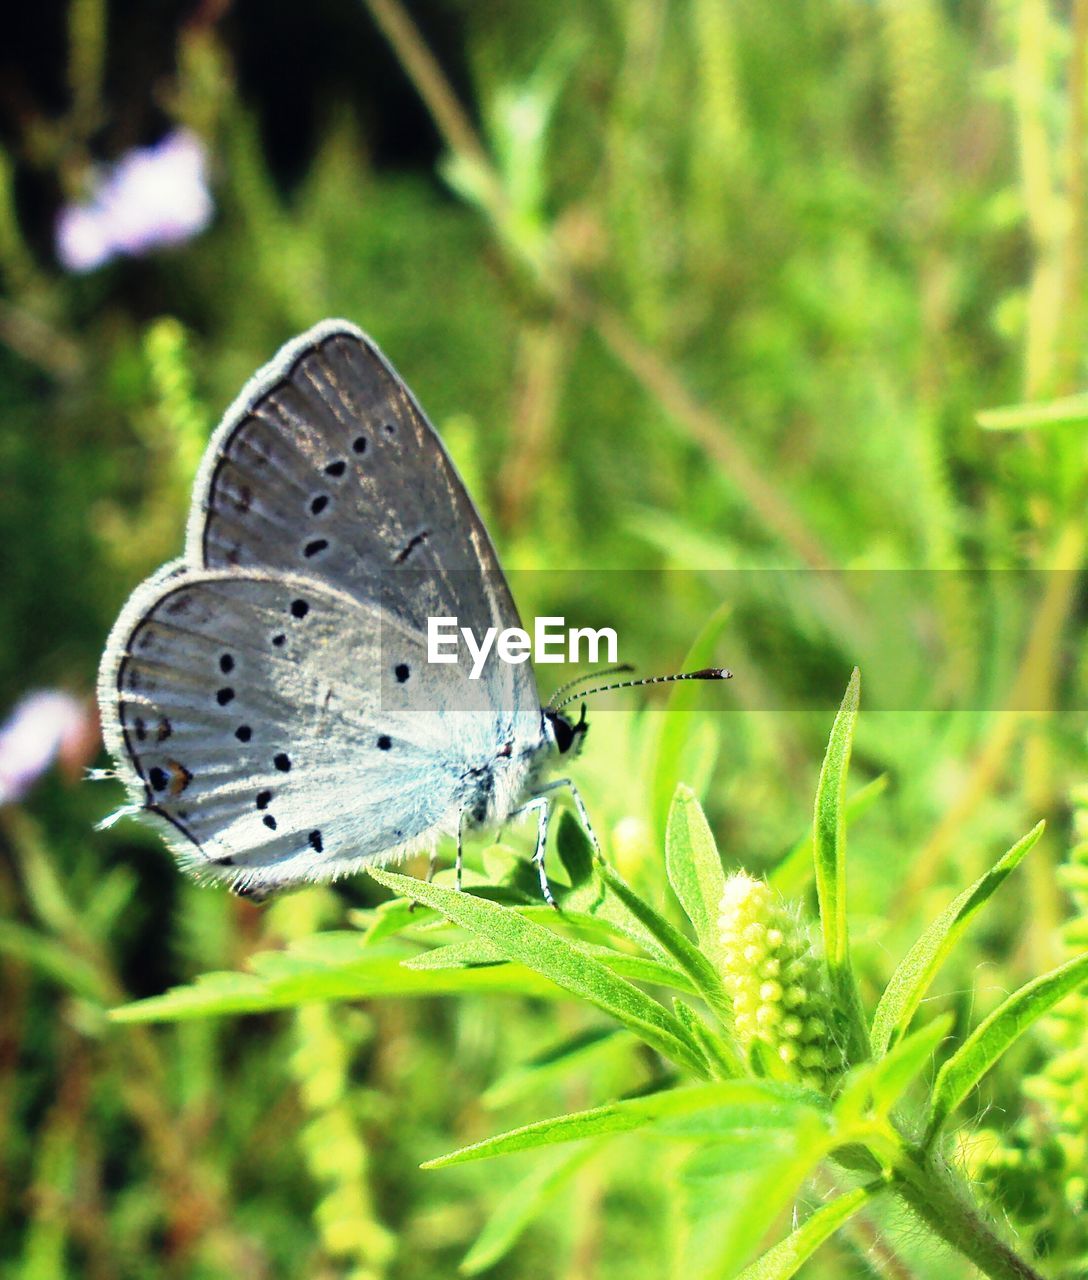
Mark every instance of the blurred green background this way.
pixel 686 286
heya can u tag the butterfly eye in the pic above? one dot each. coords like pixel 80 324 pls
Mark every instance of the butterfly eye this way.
pixel 563 732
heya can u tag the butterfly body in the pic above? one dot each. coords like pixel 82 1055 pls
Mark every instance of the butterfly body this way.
pixel 268 696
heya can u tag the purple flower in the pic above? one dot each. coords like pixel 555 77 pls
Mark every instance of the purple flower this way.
pixel 152 196
pixel 43 726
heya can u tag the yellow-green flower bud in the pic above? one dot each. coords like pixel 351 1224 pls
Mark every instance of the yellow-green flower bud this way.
pixel 776 983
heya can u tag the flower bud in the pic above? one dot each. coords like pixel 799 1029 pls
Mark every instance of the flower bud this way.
pixel 776 983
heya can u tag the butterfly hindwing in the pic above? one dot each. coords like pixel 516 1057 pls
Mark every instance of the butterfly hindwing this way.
pixel 247 722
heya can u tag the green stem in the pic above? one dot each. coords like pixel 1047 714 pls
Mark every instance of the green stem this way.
pixel 931 1192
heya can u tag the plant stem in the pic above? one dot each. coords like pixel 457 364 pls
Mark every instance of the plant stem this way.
pixel 931 1192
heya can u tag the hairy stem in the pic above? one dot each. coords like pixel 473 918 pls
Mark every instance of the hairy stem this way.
pixel 932 1194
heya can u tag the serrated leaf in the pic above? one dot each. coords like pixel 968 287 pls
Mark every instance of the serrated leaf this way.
pixel 525 1200
pixel 629 1114
pixel 558 959
pixel 787 1257
pixel 986 1044
pixel 694 866
pixel 915 972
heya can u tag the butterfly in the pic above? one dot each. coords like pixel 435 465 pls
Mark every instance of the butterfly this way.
pixel 268 697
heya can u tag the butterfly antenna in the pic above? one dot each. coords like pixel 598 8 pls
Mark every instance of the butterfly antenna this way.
pixel 707 673
pixel 589 675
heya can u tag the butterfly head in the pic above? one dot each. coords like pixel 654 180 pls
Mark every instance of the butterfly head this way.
pixel 566 735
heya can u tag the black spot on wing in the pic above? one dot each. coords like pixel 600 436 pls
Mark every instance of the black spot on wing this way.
pixel 413 542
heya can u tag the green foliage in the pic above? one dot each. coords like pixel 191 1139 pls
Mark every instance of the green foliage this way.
pixel 768 1051
pixel 912 978
pixel 779 313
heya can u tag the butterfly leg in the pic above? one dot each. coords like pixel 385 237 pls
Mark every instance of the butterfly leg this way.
pixel 579 807
pixel 543 815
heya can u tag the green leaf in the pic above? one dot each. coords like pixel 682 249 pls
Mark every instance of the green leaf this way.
pixel 793 872
pixel 691 960
pixel 995 1034
pixel 524 1201
pixel 694 866
pixel 54 959
pixel 634 1113
pixel 829 829
pixel 1069 411
pixel 558 1060
pixel 875 1087
pixel 787 1257
pixel 477 951
pixel 729 1217
pixel 389 919
pixel 456 955
pixel 829 857
pixel 916 970
pixel 326 966
pixel 557 959
pixel 715 1049
pixel 671 741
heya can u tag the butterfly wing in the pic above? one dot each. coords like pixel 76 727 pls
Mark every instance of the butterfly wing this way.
pixel 326 465
pixel 324 485
pixel 246 723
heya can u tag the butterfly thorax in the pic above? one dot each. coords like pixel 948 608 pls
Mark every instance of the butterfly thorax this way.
pixel 495 787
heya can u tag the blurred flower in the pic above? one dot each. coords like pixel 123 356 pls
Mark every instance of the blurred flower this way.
pixel 152 196
pixel 44 726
